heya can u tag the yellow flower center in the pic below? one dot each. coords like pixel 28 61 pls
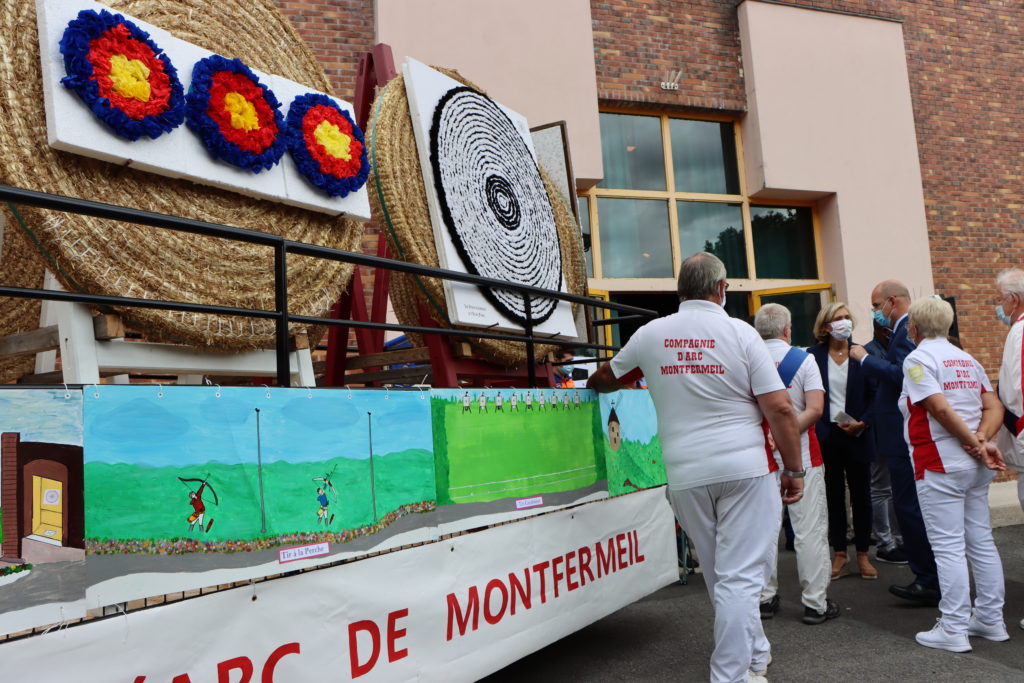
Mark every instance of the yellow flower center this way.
pixel 337 144
pixel 130 78
pixel 243 113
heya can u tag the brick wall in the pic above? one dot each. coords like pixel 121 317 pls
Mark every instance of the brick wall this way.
pixel 964 59
pixel 637 43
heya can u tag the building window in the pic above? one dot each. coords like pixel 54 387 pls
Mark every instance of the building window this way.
pixel 784 242
pixel 673 187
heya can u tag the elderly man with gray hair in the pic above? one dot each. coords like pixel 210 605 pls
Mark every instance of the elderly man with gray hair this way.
pixel 799 372
pixel 713 384
pixel 1010 291
pixel 1010 310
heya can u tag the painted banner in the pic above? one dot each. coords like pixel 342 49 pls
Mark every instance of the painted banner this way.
pixel 42 563
pixel 489 599
pixel 630 444
pixel 503 454
pixel 188 487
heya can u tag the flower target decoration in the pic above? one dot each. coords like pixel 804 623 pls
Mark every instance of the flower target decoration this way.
pixel 327 145
pixel 237 118
pixel 121 75
pixel 493 201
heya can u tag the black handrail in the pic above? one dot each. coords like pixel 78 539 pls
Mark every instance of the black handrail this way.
pixel 282 247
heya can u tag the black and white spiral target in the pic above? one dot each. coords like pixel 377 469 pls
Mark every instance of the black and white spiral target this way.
pixel 493 201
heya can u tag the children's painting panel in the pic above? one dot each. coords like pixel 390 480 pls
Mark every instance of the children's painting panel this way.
pixel 629 441
pixel 42 563
pixel 189 487
pixel 508 453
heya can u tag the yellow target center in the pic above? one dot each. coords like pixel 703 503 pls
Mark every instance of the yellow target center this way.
pixel 243 112
pixel 130 78
pixel 337 144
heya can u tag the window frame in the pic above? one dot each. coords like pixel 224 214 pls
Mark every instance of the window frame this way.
pixel 671 197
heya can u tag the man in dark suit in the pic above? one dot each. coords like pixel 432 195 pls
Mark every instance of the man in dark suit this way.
pixel 890 301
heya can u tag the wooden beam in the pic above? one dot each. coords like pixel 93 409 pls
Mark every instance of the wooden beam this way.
pixel 412 375
pixel 108 326
pixel 370 360
pixel 55 377
pixel 25 343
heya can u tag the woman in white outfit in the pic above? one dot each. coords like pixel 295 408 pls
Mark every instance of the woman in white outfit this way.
pixel 949 414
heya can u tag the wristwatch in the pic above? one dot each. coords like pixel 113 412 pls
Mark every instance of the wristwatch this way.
pixel 795 475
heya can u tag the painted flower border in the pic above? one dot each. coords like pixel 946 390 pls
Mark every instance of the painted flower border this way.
pixel 299 145
pixel 197 101
pixel 75 46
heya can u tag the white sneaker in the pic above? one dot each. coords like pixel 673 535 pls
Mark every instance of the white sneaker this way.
pixel 762 672
pixel 940 639
pixel 755 678
pixel 1022 623
pixel 996 632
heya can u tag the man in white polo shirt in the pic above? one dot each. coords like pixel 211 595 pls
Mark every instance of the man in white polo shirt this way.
pixel 809 516
pixel 1010 291
pixel 713 384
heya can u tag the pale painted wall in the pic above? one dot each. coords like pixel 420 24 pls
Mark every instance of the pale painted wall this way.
pixel 534 56
pixel 830 118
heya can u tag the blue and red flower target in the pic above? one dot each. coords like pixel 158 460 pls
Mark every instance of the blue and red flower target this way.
pixel 237 118
pixel 327 146
pixel 121 75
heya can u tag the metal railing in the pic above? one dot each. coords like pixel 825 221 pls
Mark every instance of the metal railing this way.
pixel 282 247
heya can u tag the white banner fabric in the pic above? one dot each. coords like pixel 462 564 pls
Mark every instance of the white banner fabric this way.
pixel 454 610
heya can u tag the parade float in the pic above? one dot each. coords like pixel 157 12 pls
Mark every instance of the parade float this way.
pixel 207 532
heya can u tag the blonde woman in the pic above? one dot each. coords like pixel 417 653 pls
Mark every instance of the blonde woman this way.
pixel 846 447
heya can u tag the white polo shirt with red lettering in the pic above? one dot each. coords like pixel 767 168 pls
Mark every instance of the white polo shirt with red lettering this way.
pixel 807 378
pixel 1011 393
pixel 938 367
pixel 704 370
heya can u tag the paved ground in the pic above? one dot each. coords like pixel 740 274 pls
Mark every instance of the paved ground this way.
pixel 667 636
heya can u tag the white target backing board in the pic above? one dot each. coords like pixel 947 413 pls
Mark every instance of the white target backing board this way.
pixel 490 212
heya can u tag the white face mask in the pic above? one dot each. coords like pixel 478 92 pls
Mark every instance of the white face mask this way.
pixel 841 329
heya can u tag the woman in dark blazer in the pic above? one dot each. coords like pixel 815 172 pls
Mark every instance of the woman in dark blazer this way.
pixel 846 449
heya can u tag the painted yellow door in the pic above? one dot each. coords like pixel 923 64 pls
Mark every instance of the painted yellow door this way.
pixel 47 504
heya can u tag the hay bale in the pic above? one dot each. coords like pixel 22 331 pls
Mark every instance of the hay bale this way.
pixel 398 199
pixel 106 257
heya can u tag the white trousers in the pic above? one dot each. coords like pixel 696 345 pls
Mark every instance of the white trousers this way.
pixel 809 517
pixel 734 526
pixel 955 510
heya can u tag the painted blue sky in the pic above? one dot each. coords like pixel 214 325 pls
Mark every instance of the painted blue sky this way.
pixel 190 425
pixel 42 415
pixel 637 418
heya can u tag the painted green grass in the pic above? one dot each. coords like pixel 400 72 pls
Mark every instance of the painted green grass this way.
pixel 494 455
pixel 125 501
pixel 639 463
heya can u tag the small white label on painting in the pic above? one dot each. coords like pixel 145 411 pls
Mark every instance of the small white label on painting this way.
pixel 302 552
pixel 524 503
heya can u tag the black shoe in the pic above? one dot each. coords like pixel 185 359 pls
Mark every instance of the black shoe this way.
pixel 915 592
pixel 770 607
pixel 813 616
pixel 892 556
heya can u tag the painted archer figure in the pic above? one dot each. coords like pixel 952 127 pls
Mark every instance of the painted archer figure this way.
pixel 321 497
pixel 195 499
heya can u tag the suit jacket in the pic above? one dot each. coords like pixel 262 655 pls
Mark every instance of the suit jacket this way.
pixel 860 393
pixel 888 372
